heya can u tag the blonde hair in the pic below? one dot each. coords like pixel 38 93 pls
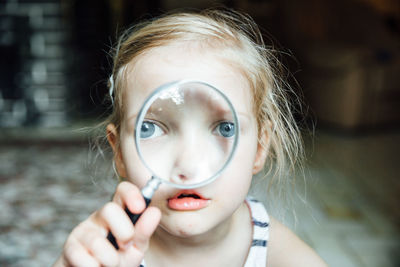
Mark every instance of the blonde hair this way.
pixel 237 34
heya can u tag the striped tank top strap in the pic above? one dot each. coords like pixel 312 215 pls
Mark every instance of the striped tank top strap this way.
pixel 258 252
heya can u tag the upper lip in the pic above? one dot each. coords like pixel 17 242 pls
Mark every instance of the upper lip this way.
pixel 188 193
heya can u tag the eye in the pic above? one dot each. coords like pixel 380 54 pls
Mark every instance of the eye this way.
pixel 225 129
pixel 150 130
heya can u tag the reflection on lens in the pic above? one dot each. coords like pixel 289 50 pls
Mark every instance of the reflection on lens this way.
pixel 187 132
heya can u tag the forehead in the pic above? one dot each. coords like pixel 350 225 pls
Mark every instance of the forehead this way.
pixel 181 61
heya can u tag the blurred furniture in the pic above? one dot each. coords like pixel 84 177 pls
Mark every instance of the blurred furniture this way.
pixel 353 88
pixel 349 54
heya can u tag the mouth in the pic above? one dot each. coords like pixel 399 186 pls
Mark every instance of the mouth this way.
pixel 188 195
pixel 188 201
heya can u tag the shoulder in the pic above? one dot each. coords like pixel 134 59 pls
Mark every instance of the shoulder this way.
pixel 286 249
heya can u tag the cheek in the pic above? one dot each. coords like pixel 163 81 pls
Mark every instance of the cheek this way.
pixel 238 174
pixel 137 172
pixel 245 154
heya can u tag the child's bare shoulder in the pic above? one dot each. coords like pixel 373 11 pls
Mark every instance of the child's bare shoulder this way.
pixel 286 249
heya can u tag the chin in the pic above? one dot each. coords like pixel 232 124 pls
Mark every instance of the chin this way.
pixel 187 225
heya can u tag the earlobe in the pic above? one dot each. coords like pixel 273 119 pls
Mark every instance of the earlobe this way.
pixel 113 140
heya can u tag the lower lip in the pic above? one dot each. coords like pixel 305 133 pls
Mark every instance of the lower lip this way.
pixel 187 203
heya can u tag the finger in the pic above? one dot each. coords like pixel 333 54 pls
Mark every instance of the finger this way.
pixel 128 195
pixel 131 257
pixel 75 254
pixel 145 227
pixel 100 248
pixel 114 218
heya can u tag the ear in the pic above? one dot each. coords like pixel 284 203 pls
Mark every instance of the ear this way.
pixel 262 152
pixel 113 140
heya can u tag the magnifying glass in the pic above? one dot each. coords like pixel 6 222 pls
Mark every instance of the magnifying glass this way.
pixel 185 134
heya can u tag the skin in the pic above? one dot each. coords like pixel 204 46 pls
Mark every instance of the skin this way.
pixel 166 237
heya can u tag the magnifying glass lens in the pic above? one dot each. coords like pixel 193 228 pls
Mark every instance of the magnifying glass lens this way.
pixel 186 133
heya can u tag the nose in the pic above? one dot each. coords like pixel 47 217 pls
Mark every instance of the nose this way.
pixel 193 161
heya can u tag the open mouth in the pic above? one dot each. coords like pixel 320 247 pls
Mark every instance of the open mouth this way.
pixel 187 200
pixel 189 195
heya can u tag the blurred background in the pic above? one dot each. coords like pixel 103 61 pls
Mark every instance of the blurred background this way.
pixel 344 57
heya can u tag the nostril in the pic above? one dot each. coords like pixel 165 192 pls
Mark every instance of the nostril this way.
pixel 182 177
pixel 179 178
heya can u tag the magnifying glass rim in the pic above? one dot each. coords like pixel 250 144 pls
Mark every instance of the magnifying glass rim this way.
pixel 143 111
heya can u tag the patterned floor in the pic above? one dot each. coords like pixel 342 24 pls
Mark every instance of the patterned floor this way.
pixel 348 210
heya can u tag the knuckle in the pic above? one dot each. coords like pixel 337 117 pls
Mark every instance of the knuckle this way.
pixel 128 235
pixel 89 225
pixel 108 209
pixel 96 243
pixel 78 230
pixel 122 187
pixel 125 234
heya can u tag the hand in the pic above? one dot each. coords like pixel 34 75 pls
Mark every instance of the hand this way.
pixel 87 245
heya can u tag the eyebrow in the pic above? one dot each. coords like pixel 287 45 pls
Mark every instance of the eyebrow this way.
pixel 239 114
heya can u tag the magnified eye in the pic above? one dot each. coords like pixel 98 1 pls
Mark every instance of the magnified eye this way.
pixel 150 130
pixel 225 129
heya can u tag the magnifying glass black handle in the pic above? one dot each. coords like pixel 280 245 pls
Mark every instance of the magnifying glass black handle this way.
pixel 133 217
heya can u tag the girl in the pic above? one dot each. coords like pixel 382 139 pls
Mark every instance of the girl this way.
pixel 226 50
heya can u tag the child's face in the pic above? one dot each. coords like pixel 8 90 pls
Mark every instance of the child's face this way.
pixel 226 194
